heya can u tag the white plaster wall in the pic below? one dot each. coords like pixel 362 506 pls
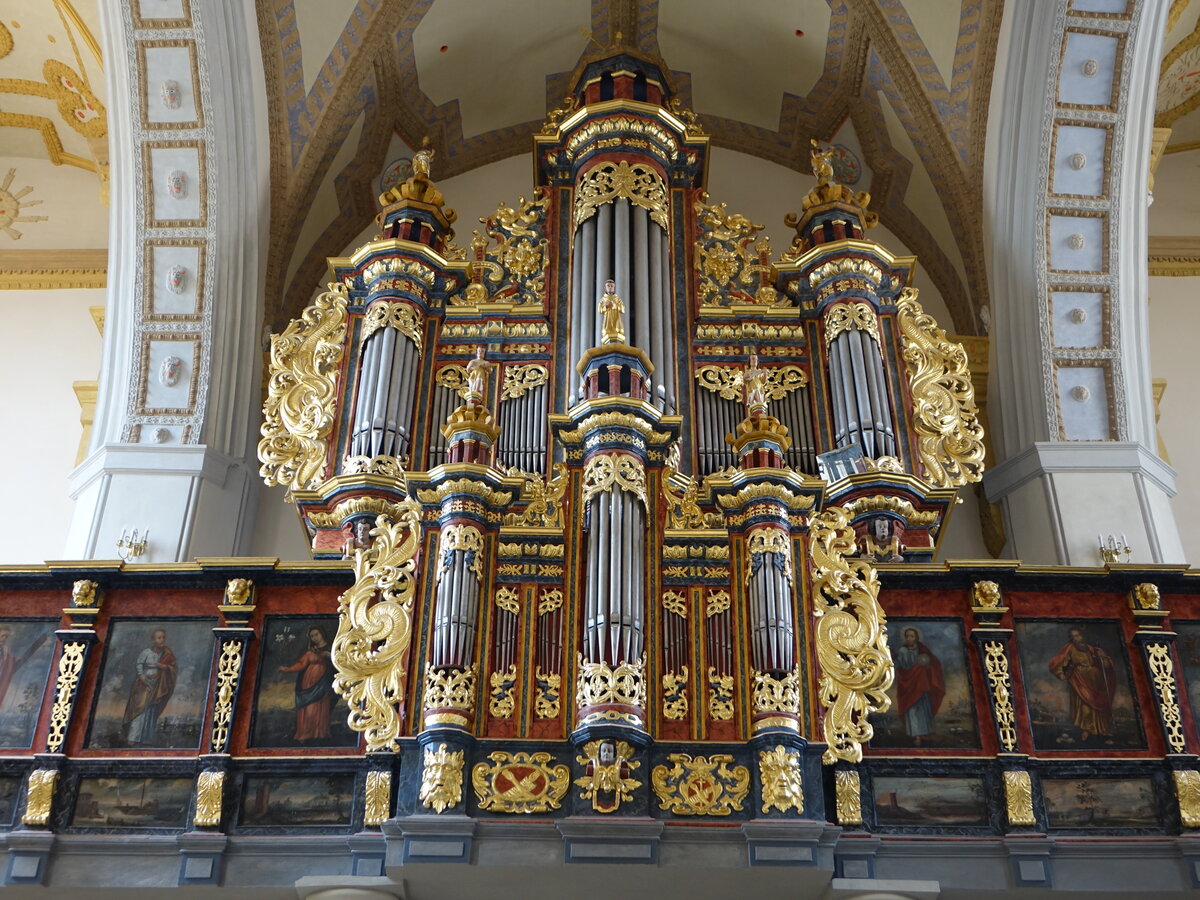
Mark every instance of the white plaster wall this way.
pixel 1173 356
pixel 49 341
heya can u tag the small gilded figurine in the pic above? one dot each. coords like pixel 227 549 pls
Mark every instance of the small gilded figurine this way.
pixel 477 376
pixel 754 384
pixel 606 777
pixel 612 310
pixel 822 163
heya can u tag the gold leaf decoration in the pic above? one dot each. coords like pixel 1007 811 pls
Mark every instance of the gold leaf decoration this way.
pixel 1018 798
pixel 520 379
pixel 782 782
pixel 728 270
pixel 856 665
pixel 1187 792
pixel 378 798
pixel 608 181
pixel 848 796
pixel 404 317
pixel 210 789
pixel 700 785
pixel 603 473
pixel 945 419
pixel 299 413
pixel 727 381
pixel 543 499
pixel 675 701
pixel 375 628
pixel 520 782
pixel 39 796
pixel 441 778
pixel 850 316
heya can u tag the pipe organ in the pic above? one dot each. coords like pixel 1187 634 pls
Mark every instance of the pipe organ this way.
pixel 644 464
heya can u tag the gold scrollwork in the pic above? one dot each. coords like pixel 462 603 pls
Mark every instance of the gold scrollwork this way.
pixel 720 696
pixel 466 538
pixel 543 498
pixel 606 182
pixel 1018 797
pixel 898 505
pixel 1187 792
pixel 501 702
pixel 441 778
pixel 728 269
pixel 404 317
pixel 453 377
pixel 613 418
pixel 848 316
pixel 848 797
pixel 375 628
pixel 299 412
pixel 845 266
pixel 520 379
pixel 450 688
pixel 465 486
pixel 598 683
pixel 995 665
pixel 520 782
pixel 949 435
pixel 675 701
pixel 39 796
pixel 514 265
pixel 509 600
pixel 766 490
pixel 377 798
pixel 773 694
pixel 210 791
pixel 718 602
pixel 229 667
pixel 683 508
pixel 70 665
pixel 1162 674
pixel 782 781
pixel 605 471
pixel 727 381
pixel 855 663
pixel 700 785
pixel 675 602
pixel 549 601
pixel 546 701
pixel 388 466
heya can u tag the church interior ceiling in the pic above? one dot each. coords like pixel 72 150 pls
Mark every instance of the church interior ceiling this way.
pixel 911 84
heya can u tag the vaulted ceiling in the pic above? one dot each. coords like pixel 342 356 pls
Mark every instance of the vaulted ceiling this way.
pixel 904 83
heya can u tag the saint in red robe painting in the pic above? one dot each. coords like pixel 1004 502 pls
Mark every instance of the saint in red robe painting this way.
pixel 314 689
pixel 153 686
pixel 1089 673
pixel 920 686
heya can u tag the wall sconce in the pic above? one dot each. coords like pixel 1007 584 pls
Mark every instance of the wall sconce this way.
pixel 1111 551
pixel 131 547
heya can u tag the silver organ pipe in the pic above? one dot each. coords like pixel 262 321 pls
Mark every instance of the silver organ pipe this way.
pixel 772 617
pixel 522 441
pixel 384 406
pixel 861 411
pixel 457 610
pixel 444 401
pixel 615 604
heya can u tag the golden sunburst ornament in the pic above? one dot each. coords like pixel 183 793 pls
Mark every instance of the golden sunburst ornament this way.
pixel 11 206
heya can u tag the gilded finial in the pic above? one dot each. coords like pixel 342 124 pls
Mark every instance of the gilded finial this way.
pixel 612 309
pixel 423 158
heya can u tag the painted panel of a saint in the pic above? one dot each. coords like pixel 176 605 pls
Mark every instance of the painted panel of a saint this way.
pixel 932 703
pixel 154 684
pixel 1099 802
pixel 1188 648
pixel 291 802
pixel 1077 683
pixel 26 651
pixel 294 704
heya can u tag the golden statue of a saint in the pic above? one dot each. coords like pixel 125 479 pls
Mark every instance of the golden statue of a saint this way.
pixel 612 311
pixel 822 163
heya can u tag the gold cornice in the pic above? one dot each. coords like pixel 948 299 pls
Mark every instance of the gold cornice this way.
pixel 40 270
pixel 845 245
pixel 392 246
pixel 1174 255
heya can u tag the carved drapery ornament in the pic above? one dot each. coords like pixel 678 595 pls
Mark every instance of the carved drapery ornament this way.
pixel 404 317
pixel 727 381
pixel 605 471
pixel 769 540
pixel 1187 792
pixel 638 184
pixel 466 538
pixel 782 782
pixel 299 413
pixel 728 269
pixel 945 419
pixel 700 785
pixel 375 628
pixel 856 665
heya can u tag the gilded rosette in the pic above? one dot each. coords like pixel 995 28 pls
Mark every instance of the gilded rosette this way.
pixel 370 649
pixel 299 413
pixel 856 666
pixel 944 416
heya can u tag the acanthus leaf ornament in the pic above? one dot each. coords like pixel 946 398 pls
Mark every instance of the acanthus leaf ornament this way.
pixel 675 701
pixel 608 181
pixel 377 798
pixel 700 785
pixel 720 695
pixel 856 667
pixel 727 381
pixel 520 783
pixel 851 316
pixel 39 796
pixel 782 781
pixel 404 317
pixel 519 380
pixel 604 472
pixel 600 683
pixel 450 688
pixel 441 778
pixel 210 790
pixel 944 416
pixel 501 702
pixel 847 787
pixel 728 269
pixel 1018 797
pixel 299 413
pixel 370 650
pixel 546 704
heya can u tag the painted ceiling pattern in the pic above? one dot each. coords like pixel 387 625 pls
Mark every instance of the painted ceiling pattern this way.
pixel 392 59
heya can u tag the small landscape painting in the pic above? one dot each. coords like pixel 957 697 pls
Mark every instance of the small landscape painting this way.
pixel 10 790
pixel 930 801
pixel 286 802
pixel 1099 802
pixel 1077 683
pixel 932 703
pixel 132 803
pixel 26 650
